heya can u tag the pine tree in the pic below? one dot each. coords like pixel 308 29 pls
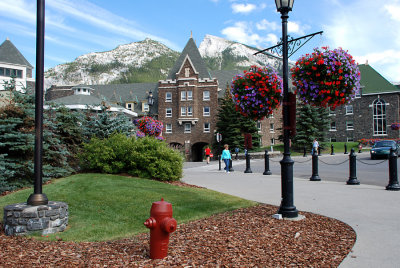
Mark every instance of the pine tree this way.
pixel 105 123
pixel 232 125
pixel 312 122
pixel 17 137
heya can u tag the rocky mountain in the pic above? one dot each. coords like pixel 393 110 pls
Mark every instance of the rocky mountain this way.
pixel 150 61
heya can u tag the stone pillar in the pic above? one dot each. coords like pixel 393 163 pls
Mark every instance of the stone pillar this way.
pixel 22 219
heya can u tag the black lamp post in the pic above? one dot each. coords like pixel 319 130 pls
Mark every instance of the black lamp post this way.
pixel 38 198
pixel 287 208
pixel 150 101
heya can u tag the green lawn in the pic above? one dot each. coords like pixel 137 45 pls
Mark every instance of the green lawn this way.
pixel 105 207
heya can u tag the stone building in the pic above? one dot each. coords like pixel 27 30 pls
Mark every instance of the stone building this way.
pixel 369 115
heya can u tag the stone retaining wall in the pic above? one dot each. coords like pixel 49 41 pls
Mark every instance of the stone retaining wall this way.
pixel 22 219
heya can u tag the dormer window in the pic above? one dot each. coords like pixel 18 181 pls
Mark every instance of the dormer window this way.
pixel 82 91
pixel 187 72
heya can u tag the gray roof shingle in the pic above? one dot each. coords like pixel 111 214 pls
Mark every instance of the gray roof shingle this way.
pixel 10 54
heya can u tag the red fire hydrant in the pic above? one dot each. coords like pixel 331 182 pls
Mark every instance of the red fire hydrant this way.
pixel 161 224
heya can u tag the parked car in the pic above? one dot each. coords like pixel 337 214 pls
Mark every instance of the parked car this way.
pixel 382 148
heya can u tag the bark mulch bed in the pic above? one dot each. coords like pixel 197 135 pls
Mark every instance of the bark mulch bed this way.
pixel 245 237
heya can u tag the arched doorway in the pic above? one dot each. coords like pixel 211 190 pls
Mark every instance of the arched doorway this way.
pixel 197 151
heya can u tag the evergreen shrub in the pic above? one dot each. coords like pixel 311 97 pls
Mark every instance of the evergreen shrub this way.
pixel 146 157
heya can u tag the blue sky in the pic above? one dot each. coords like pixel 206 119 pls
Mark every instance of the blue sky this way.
pixel 368 29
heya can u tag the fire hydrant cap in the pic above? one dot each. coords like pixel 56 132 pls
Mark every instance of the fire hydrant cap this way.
pixel 169 225
pixel 161 208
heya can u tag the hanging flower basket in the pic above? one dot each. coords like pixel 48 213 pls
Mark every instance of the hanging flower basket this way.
pixel 148 126
pixel 257 92
pixel 395 126
pixel 326 78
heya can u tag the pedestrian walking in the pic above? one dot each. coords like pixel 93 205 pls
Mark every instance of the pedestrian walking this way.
pixel 208 154
pixel 315 146
pixel 226 156
pixel 236 152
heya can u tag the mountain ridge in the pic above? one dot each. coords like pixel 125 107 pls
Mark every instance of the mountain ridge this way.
pixel 150 61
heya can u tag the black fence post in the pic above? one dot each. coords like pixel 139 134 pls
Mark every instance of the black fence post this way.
pixel 315 176
pixel 353 169
pixel 304 151
pixel 393 178
pixel 248 169
pixel 345 148
pixel 230 165
pixel 266 170
pixel 319 150
pixel 332 150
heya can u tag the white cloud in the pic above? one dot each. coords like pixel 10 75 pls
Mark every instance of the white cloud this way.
pixel 369 30
pixel 242 32
pixel 266 25
pixel 102 19
pixel 243 8
pixel 294 27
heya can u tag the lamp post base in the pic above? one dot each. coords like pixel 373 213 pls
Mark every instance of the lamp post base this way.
pixel 37 200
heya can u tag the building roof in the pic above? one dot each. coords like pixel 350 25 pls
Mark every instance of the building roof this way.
pixel 10 54
pixel 80 101
pixel 122 93
pixel 373 82
pixel 192 51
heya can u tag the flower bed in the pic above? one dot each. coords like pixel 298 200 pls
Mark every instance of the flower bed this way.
pixel 326 78
pixel 371 142
pixel 257 92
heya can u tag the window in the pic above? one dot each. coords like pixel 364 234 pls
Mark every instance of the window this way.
pixel 272 141
pixel 130 106
pixel 333 139
pixel 168 112
pixel 145 107
pixel 350 139
pixel 379 117
pixel 259 126
pixel 189 111
pixel 349 109
pixel 168 128
pixel 206 111
pixel 271 127
pixel 168 97
pixel 11 72
pixel 349 125
pixel 207 127
pixel 271 115
pixel 187 72
pixel 183 111
pixel 189 95
pixel 188 128
pixel 183 95
pixel 206 95
pixel 333 126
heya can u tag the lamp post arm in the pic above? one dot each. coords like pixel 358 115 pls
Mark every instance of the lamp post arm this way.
pixel 293 45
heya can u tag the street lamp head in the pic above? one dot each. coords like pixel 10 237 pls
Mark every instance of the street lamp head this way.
pixel 284 5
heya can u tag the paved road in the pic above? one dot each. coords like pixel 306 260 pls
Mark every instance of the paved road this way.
pixel 330 168
pixel 370 210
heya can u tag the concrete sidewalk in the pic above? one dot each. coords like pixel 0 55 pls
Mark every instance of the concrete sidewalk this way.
pixel 372 211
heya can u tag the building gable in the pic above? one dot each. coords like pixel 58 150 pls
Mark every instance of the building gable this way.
pixel 10 54
pixel 197 61
pixel 373 82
